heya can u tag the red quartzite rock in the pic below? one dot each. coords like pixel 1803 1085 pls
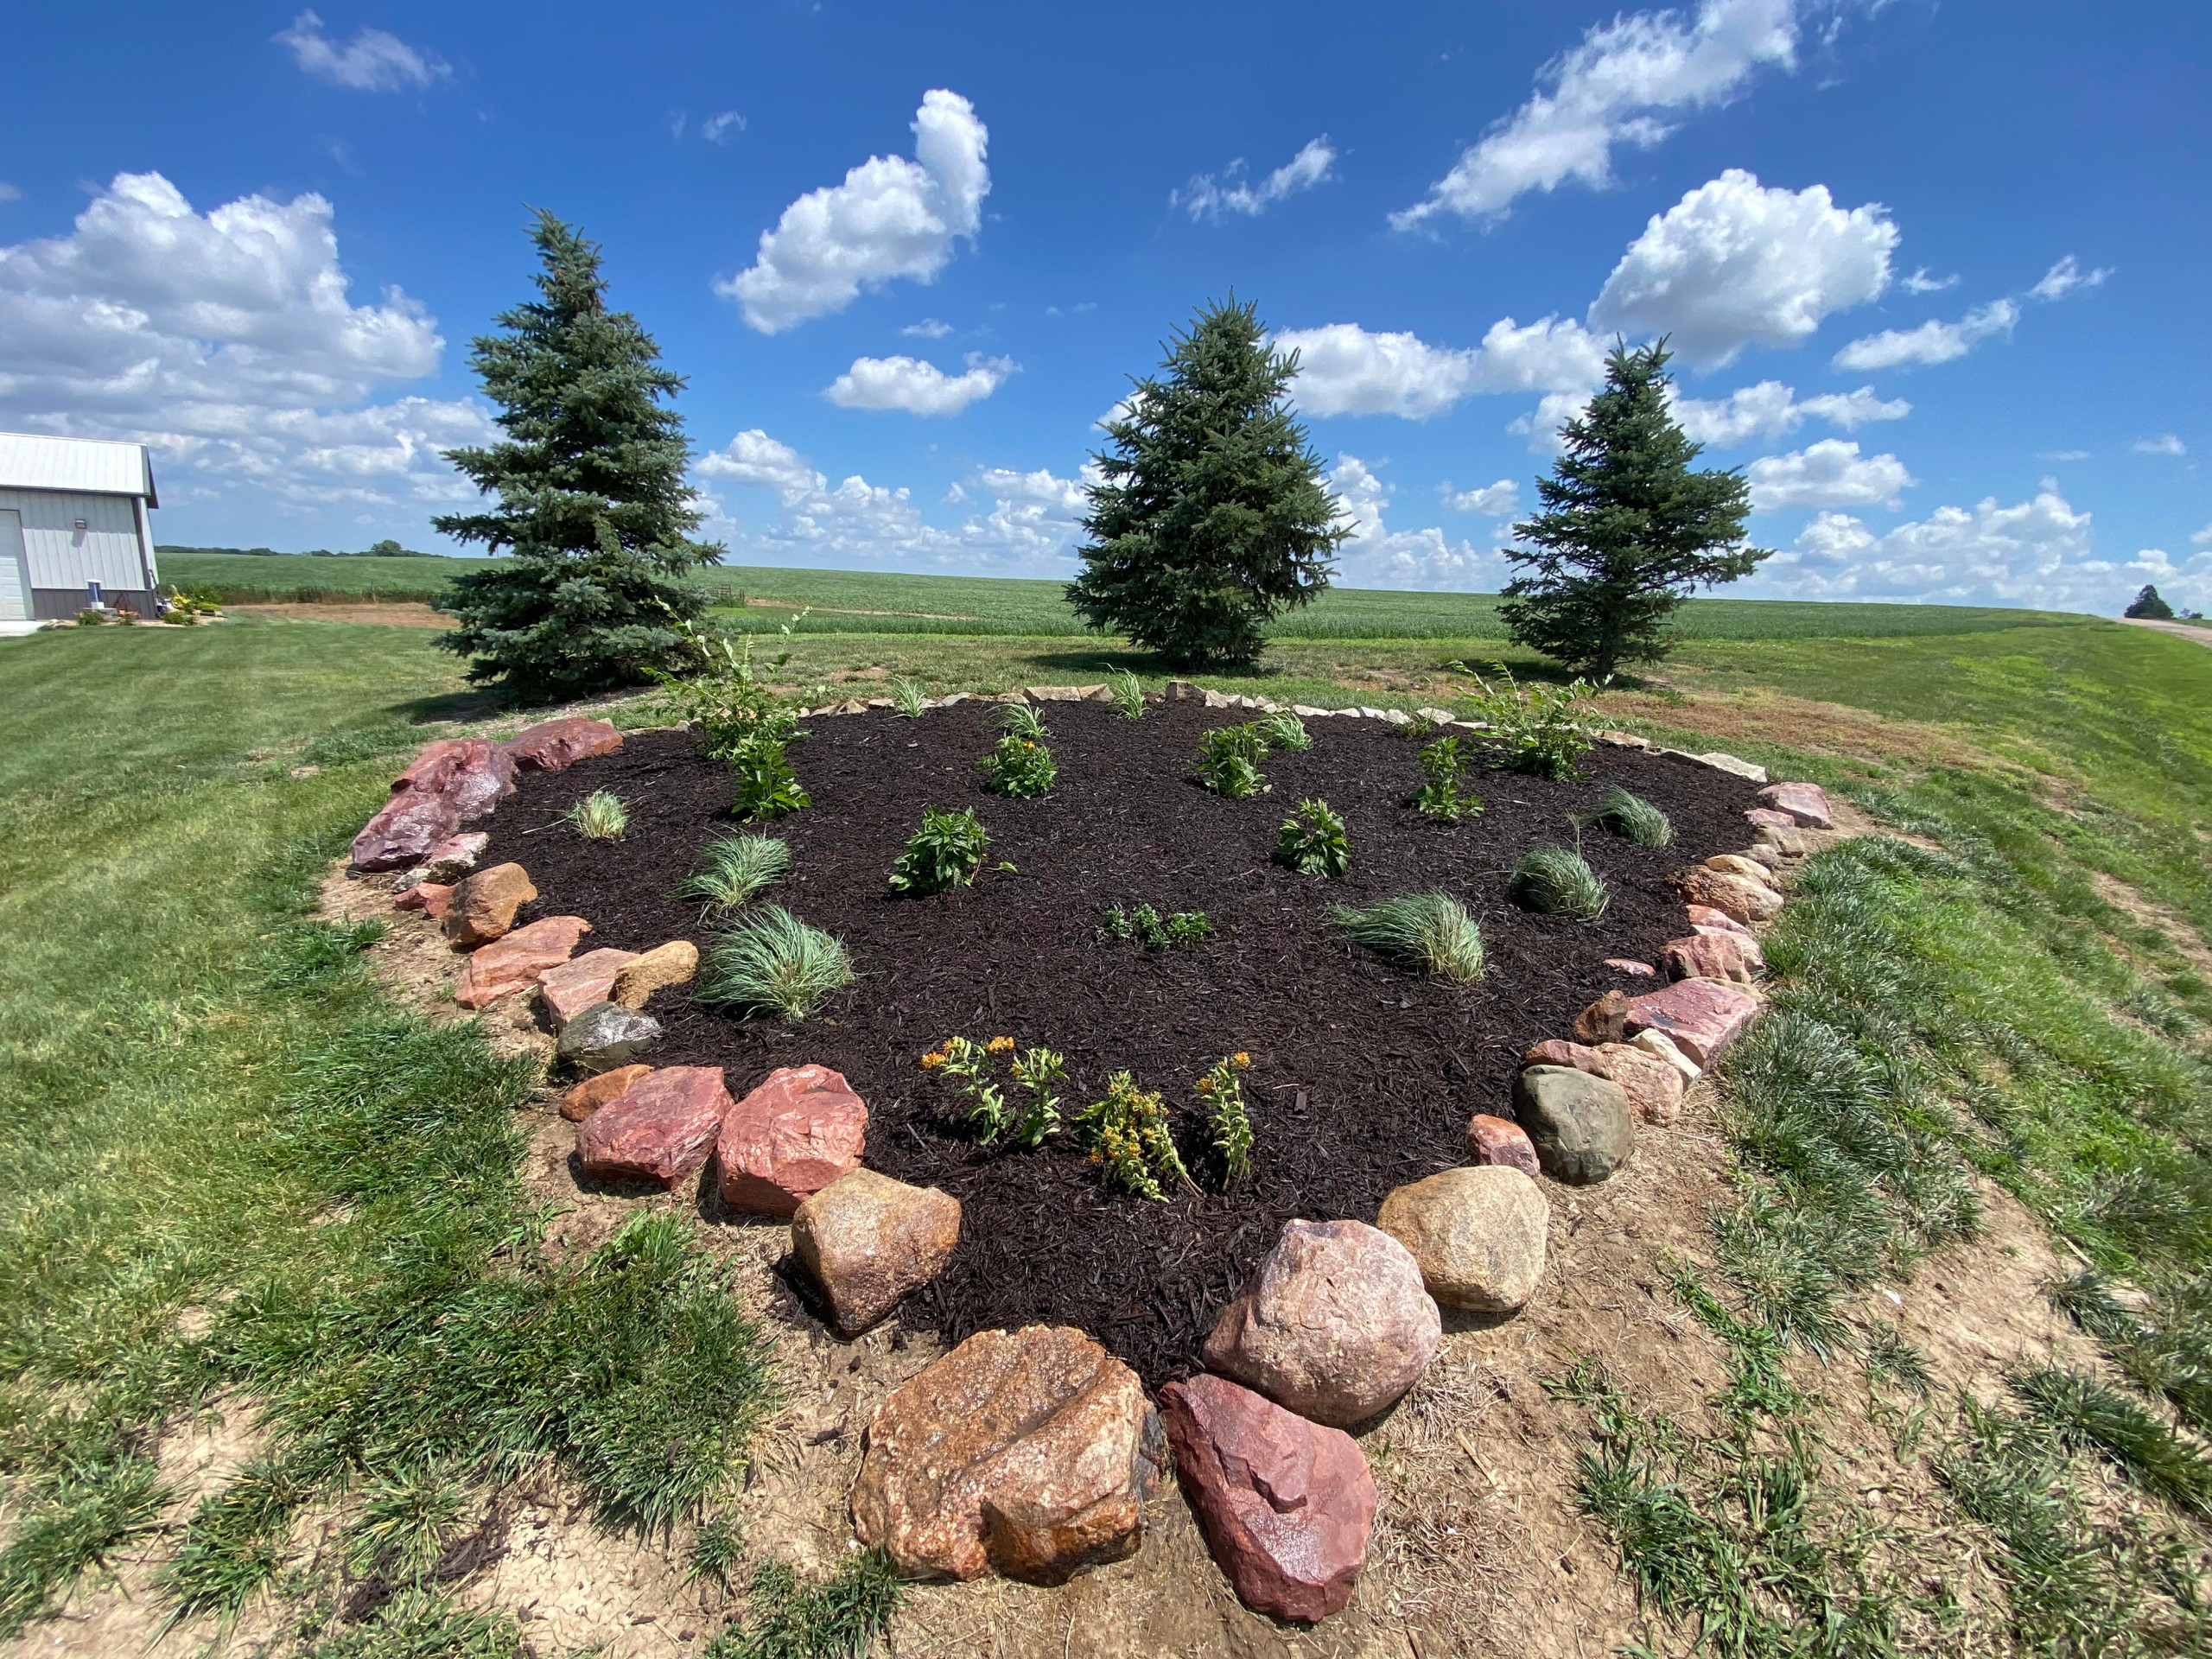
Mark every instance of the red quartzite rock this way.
pixel 1501 1141
pixel 1286 1506
pixel 431 898
pixel 1633 969
pixel 1768 816
pixel 1719 954
pixel 1701 1016
pixel 455 857
pixel 556 745
pixel 1335 1324
pixel 588 1097
pixel 660 1128
pixel 454 782
pixel 518 960
pixel 484 905
pixel 1601 1021
pixel 1806 803
pixel 790 1138
pixel 1705 916
pixel 577 984
pixel 1027 1453
pixel 1554 1052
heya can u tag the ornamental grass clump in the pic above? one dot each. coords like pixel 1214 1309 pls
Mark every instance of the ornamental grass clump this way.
pixel 1229 761
pixel 733 869
pixel 1283 730
pixel 1555 881
pixel 772 960
pixel 1633 818
pixel 1223 1091
pixel 1431 932
pixel 1127 1133
pixel 600 816
pixel 1128 692
pixel 1313 842
pixel 1155 931
pixel 945 851
pixel 1443 770
pixel 910 699
pixel 1020 765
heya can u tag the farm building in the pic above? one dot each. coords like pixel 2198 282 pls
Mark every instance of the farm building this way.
pixel 73 526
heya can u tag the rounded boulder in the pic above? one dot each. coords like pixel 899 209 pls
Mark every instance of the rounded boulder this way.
pixel 1582 1126
pixel 1477 1235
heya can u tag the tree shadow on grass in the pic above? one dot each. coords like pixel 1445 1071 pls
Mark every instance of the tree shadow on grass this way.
pixel 447 708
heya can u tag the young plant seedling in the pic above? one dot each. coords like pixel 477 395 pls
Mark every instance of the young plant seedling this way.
pixel 733 868
pixel 1020 765
pixel 1443 767
pixel 969 1067
pixel 1127 1133
pixel 1555 881
pixel 768 788
pixel 600 816
pixel 908 695
pixel 1223 1091
pixel 1035 1074
pixel 1128 692
pixel 1429 932
pixel 945 851
pixel 1229 761
pixel 1313 843
pixel 1154 932
pixel 1283 730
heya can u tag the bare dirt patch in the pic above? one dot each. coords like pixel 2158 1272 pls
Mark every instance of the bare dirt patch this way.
pixel 384 614
pixel 1799 723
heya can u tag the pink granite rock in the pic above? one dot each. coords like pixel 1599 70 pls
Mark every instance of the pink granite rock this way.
pixel 556 745
pixel 573 986
pixel 1653 1087
pixel 790 1138
pixel 454 856
pixel 1633 969
pixel 454 782
pixel 1701 1016
pixel 1806 803
pixel 660 1128
pixel 1501 1141
pixel 1705 916
pixel 518 960
pixel 432 899
pixel 1286 1506
pixel 1555 1051
pixel 869 1242
pixel 1716 953
pixel 1736 896
pixel 1767 815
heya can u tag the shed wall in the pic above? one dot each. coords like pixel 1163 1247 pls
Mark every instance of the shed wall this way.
pixel 62 558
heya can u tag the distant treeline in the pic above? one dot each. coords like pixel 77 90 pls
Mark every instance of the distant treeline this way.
pixel 385 549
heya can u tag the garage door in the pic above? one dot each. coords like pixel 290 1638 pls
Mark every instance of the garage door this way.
pixel 15 579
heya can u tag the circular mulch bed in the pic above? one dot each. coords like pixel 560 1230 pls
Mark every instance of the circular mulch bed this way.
pixel 1362 1076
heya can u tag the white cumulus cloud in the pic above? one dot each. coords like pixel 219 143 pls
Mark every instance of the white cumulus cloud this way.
pixel 2163 444
pixel 918 388
pixel 1498 500
pixel 927 328
pixel 1208 197
pixel 1619 86
pixel 890 218
pixel 1769 409
pixel 2066 277
pixel 1921 283
pixel 1378 556
pixel 1930 343
pixel 373 61
pixel 1829 473
pixel 1344 369
pixel 1734 264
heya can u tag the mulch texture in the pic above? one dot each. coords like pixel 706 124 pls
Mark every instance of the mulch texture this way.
pixel 1362 1076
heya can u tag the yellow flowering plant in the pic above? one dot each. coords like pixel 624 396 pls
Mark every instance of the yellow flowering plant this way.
pixel 968 1066
pixel 1127 1132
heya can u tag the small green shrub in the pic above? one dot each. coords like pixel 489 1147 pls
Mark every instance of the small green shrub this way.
pixel 1443 768
pixel 1128 1138
pixel 733 868
pixel 1229 761
pixel 1541 729
pixel 945 851
pixel 1633 819
pixel 91 618
pixel 768 788
pixel 1313 842
pixel 600 816
pixel 1283 730
pixel 1037 1073
pixel 1155 933
pixel 724 695
pixel 1020 765
pixel 1555 881
pixel 1222 1089
pixel 1128 691
pixel 909 696
pixel 1430 933
pixel 773 960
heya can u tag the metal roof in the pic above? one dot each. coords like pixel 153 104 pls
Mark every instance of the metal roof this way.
pixel 86 466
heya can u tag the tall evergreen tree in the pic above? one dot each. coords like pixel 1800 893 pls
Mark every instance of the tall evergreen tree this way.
pixel 2150 605
pixel 1628 529
pixel 1212 519
pixel 593 502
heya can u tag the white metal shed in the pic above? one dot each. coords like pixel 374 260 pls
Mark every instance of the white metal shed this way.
pixel 73 526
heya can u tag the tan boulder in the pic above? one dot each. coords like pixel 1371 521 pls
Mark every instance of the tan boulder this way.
pixel 1715 953
pixel 1738 897
pixel 1477 1234
pixel 1029 1453
pixel 588 1097
pixel 868 1240
pixel 1604 1021
pixel 674 964
pixel 1736 864
pixel 484 905
pixel 1653 1087
pixel 518 960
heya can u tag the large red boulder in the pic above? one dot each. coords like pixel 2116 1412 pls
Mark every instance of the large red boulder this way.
pixel 790 1138
pixel 660 1128
pixel 1701 1016
pixel 556 745
pixel 518 960
pixel 1286 1504
pixel 1717 953
pixel 454 782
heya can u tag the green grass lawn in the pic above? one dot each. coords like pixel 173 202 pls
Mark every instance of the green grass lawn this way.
pixel 237 1169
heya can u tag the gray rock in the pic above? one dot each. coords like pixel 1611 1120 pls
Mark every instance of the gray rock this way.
pixel 1582 1126
pixel 606 1035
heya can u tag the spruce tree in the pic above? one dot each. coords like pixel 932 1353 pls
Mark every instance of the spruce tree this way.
pixel 2150 605
pixel 1628 528
pixel 592 505
pixel 1211 518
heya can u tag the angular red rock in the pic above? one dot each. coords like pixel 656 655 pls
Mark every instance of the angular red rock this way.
pixel 1702 916
pixel 790 1138
pixel 1767 815
pixel 1554 1052
pixel 431 898
pixel 1601 1021
pixel 1713 954
pixel 1286 1504
pixel 1701 1016
pixel 453 782
pixel 573 986
pixel 518 960
pixel 1806 803
pixel 660 1128
pixel 1501 1141
pixel 1633 969
pixel 556 745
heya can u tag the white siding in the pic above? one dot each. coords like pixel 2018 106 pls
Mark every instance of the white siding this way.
pixel 62 557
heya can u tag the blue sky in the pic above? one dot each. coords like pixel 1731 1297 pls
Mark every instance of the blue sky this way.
pixel 1936 271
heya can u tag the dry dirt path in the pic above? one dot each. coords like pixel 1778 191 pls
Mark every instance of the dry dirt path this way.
pixel 2196 631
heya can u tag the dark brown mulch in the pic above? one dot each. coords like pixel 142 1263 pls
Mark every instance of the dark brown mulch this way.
pixel 1362 1076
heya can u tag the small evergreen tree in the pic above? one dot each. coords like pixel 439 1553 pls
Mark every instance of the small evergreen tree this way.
pixel 1212 519
pixel 2150 605
pixel 593 502
pixel 1628 529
